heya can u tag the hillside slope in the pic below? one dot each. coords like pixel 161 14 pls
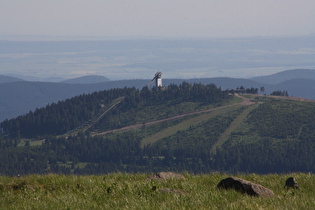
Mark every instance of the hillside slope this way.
pixel 19 98
pixel 303 88
pixel 136 106
pixel 196 128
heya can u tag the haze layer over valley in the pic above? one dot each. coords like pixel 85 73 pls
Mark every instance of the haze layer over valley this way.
pixel 140 58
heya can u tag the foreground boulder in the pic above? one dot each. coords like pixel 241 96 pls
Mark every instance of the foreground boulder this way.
pixel 245 186
pixel 291 183
pixel 166 175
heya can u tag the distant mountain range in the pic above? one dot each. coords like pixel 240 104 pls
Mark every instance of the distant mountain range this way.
pixel 18 96
pixel 6 79
pixel 286 76
pixel 90 79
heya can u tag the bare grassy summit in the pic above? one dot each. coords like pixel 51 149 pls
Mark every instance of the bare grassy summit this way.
pixel 135 191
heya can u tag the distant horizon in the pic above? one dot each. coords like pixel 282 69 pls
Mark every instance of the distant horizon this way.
pixel 48 38
pixel 243 57
pixel 61 79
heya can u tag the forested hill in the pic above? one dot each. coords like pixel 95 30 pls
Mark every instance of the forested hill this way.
pixel 187 127
pixel 19 97
pixel 131 106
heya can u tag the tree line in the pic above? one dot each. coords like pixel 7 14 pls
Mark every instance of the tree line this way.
pixel 276 137
pixel 59 118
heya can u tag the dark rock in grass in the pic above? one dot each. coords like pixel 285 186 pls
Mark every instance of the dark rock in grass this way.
pixel 291 183
pixel 166 175
pixel 245 186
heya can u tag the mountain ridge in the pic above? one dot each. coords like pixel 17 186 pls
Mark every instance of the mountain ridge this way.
pixel 88 79
pixel 21 97
pixel 8 79
pixel 285 76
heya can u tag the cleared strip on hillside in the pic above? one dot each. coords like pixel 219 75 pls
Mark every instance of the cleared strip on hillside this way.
pixel 93 121
pixel 186 124
pixel 234 125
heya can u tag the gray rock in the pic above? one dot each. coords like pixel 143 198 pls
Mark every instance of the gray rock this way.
pixel 245 187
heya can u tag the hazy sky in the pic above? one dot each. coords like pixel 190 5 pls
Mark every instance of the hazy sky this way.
pixel 152 18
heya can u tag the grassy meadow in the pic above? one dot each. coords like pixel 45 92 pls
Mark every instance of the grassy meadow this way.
pixel 136 191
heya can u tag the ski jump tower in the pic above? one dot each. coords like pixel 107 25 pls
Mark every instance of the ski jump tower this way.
pixel 158 80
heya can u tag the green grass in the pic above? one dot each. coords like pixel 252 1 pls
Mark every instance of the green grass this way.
pixel 136 191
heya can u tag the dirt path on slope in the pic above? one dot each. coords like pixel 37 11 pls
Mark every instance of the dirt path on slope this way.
pixel 245 102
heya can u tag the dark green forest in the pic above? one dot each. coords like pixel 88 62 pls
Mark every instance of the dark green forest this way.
pixel 268 136
pixel 137 106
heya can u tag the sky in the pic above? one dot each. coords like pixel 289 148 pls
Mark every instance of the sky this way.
pixel 157 18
